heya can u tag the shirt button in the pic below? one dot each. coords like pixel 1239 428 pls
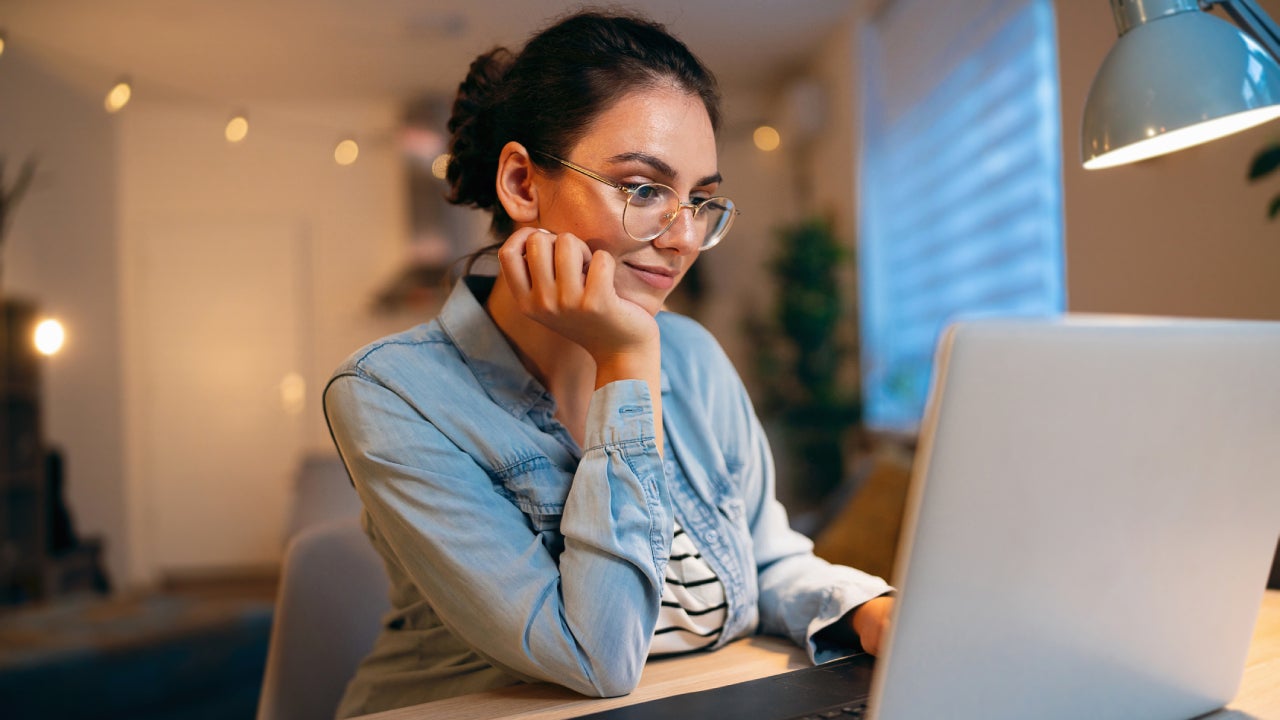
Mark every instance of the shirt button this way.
pixel 713 536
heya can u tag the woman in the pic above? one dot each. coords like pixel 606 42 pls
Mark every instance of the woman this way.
pixel 563 480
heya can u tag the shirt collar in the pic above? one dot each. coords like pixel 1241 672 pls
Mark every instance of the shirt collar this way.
pixel 485 349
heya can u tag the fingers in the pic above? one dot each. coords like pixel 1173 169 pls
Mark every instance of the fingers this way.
pixel 571 258
pixel 598 288
pixel 511 259
pixel 545 271
pixel 539 258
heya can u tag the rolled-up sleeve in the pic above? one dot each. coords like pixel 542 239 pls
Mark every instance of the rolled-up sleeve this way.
pixel 583 620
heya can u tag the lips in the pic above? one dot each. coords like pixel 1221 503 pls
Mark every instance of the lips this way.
pixel 658 276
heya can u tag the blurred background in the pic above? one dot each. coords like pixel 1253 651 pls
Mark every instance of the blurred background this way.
pixel 266 199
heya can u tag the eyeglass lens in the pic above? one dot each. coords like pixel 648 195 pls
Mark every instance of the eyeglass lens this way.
pixel 651 209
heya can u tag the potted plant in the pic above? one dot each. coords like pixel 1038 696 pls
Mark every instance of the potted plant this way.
pixel 804 354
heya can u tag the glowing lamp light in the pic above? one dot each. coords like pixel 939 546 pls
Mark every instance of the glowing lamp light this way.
pixel 766 138
pixel 49 337
pixel 2 39
pixel 237 129
pixel 346 152
pixel 118 97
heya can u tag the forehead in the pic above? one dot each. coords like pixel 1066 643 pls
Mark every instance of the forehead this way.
pixel 665 122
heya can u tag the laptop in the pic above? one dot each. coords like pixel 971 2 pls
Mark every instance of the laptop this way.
pixel 1094 507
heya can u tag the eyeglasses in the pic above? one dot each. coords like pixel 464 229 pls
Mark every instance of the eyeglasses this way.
pixel 652 208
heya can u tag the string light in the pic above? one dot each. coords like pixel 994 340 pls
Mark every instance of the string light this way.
pixel 237 128
pixel 49 337
pixel 119 96
pixel 346 152
pixel 766 138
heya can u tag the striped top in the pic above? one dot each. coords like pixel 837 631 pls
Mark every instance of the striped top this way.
pixel 693 602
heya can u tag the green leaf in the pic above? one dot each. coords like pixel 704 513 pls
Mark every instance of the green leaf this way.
pixel 1267 160
pixel 1275 207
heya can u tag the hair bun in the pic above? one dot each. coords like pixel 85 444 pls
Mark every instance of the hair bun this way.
pixel 473 161
pixel 547 96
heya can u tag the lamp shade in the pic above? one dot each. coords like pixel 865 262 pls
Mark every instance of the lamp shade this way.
pixel 1175 81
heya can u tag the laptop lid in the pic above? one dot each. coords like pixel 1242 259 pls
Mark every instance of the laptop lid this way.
pixel 1094 507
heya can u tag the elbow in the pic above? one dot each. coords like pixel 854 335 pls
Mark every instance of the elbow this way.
pixel 613 685
pixel 611 679
pixel 620 684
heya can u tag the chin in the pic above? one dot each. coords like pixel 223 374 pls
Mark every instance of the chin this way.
pixel 651 302
pixel 650 298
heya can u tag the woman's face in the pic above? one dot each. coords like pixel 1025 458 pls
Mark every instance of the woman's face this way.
pixel 660 135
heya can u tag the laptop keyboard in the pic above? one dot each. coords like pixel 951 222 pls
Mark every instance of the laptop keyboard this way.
pixel 843 711
pixel 837 689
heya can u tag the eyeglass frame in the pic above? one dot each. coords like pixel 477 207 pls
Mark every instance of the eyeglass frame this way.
pixel 630 192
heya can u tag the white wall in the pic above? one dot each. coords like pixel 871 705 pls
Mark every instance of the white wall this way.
pixel 241 264
pixel 61 252
pixel 149 236
pixel 832 167
pixel 1185 234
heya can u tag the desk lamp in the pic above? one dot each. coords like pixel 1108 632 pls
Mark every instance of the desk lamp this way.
pixel 1179 77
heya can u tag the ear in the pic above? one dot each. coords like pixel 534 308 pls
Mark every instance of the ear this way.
pixel 516 188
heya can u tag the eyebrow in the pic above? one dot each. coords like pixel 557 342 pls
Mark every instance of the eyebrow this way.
pixel 661 166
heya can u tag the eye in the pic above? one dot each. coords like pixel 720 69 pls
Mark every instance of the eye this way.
pixel 646 194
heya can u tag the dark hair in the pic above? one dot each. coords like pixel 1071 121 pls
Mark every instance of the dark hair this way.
pixel 546 97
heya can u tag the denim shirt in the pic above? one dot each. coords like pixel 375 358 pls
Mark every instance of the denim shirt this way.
pixel 513 554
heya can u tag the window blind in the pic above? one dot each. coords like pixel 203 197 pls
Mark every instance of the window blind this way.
pixel 961 184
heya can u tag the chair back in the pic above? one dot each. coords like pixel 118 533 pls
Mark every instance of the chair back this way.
pixel 333 593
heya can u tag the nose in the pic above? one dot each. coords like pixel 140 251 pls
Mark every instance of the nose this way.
pixel 683 235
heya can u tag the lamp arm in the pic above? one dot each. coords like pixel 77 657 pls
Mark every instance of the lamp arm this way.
pixel 1253 20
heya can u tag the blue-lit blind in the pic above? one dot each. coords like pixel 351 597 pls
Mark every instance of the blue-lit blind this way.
pixel 961 184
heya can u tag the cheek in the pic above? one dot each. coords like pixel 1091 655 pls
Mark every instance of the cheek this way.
pixel 600 239
pixel 588 211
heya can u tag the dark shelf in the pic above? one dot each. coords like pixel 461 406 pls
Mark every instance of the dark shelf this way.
pixel 40 555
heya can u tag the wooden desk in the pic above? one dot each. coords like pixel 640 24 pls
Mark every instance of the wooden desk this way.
pixel 757 657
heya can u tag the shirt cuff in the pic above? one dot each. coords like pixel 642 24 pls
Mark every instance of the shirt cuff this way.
pixel 620 413
pixel 834 644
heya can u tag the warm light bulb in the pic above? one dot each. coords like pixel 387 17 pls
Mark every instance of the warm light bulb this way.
pixel 49 337
pixel 346 152
pixel 118 97
pixel 440 166
pixel 237 128
pixel 766 138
